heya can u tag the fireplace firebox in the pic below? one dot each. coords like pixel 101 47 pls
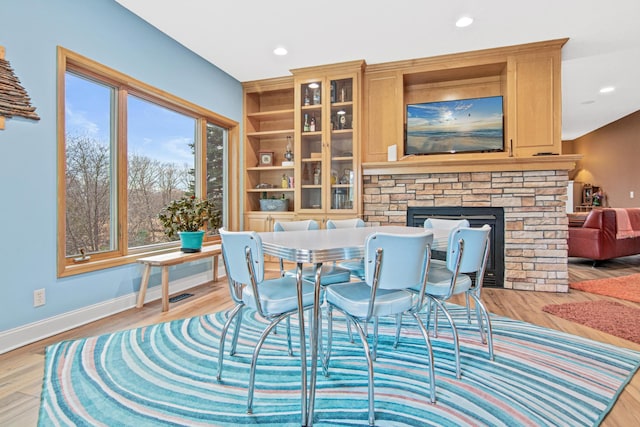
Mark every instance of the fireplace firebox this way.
pixel 477 217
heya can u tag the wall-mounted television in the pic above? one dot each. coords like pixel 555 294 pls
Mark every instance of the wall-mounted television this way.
pixel 460 126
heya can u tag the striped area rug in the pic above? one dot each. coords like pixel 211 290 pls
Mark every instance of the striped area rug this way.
pixel 165 375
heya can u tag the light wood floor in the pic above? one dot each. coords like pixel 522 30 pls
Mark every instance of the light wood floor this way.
pixel 21 370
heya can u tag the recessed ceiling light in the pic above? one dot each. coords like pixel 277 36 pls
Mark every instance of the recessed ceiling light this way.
pixel 464 21
pixel 280 51
pixel 314 85
pixel 607 89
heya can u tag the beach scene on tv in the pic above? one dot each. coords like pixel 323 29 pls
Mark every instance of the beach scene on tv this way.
pixel 465 125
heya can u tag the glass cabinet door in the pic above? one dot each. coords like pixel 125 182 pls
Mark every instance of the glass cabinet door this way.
pixel 340 151
pixel 326 145
pixel 311 145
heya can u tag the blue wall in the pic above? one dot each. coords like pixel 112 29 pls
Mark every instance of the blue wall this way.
pixel 104 31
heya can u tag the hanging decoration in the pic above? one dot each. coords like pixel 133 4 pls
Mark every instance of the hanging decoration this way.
pixel 14 100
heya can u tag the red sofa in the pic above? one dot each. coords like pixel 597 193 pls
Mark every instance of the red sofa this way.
pixel 602 236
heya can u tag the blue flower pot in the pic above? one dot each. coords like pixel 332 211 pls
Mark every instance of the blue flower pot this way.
pixel 191 241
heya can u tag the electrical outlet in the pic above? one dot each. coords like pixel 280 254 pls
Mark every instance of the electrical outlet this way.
pixel 631 194
pixel 38 297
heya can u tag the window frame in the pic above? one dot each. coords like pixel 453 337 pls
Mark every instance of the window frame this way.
pixel 125 85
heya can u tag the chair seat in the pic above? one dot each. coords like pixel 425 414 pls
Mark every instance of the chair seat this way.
pixel 279 295
pixel 330 274
pixel 354 298
pixel 355 267
pixel 439 282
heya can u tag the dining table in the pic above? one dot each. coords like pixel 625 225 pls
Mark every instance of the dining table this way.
pixel 317 247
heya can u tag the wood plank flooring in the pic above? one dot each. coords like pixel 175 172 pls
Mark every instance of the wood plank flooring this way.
pixel 21 370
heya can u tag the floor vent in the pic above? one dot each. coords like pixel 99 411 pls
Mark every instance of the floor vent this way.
pixel 180 297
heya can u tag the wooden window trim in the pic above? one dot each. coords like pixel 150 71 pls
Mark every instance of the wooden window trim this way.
pixel 126 85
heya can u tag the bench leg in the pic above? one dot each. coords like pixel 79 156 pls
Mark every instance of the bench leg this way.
pixel 143 285
pixel 215 268
pixel 165 288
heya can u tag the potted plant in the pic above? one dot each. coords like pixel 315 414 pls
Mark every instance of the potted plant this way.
pixel 186 217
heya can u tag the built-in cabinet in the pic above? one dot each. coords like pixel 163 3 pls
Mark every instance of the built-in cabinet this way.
pixel 526 76
pixel 268 130
pixel 301 146
pixel 327 129
pixel 534 108
pixel 340 118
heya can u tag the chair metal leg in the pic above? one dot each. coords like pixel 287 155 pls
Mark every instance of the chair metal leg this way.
pixel 435 323
pixel 236 332
pixel 432 374
pixel 236 310
pixel 396 342
pixel 480 321
pixel 487 320
pixel 326 354
pixel 435 317
pixel 254 359
pixel 374 352
pixel 367 354
pixel 349 331
pixel 466 300
pixel 454 330
pixel 289 348
pixel 428 311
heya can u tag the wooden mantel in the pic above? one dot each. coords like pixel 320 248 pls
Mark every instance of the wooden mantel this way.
pixel 433 164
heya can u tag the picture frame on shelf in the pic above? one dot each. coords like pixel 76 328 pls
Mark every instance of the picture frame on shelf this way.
pixel 265 158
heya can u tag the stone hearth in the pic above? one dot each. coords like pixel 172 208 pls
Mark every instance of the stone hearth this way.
pixel 535 235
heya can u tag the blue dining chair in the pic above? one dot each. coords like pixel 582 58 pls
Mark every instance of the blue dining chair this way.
pixel 448 225
pixel 272 299
pixel 393 265
pixel 356 267
pixel 467 252
pixel 444 224
pixel 329 273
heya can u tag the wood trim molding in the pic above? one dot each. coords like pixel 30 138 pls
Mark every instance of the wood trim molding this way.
pixel 468 164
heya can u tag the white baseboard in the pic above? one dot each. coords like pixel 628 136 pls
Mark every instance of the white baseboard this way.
pixel 27 334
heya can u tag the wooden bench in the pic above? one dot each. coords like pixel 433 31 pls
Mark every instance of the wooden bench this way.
pixel 169 259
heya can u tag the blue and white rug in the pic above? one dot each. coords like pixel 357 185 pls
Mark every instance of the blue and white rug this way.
pixel 165 375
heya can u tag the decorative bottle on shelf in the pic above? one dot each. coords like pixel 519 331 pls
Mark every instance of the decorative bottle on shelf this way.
pixel 312 124
pixel 307 101
pixel 288 154
pixel 316 176
pixel 305 174
pixel 342 120
pixel 316 96
pixel 305 128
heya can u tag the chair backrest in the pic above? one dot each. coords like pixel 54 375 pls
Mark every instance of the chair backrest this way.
pixel 445 224
pixel 307 224
pixel 345 223
pixel 234 247
pixel 475 249
pixel 403 259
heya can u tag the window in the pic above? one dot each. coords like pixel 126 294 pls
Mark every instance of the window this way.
pixel 125 150
pixel 161 165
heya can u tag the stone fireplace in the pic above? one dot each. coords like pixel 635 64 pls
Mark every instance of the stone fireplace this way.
pixel 534 204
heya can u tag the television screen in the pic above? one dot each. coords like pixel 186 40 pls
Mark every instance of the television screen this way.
pixel 460 126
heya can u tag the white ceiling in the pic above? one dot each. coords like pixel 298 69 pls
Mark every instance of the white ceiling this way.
pixel 239 36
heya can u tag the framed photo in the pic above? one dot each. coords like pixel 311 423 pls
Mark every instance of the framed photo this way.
pixel 265 158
